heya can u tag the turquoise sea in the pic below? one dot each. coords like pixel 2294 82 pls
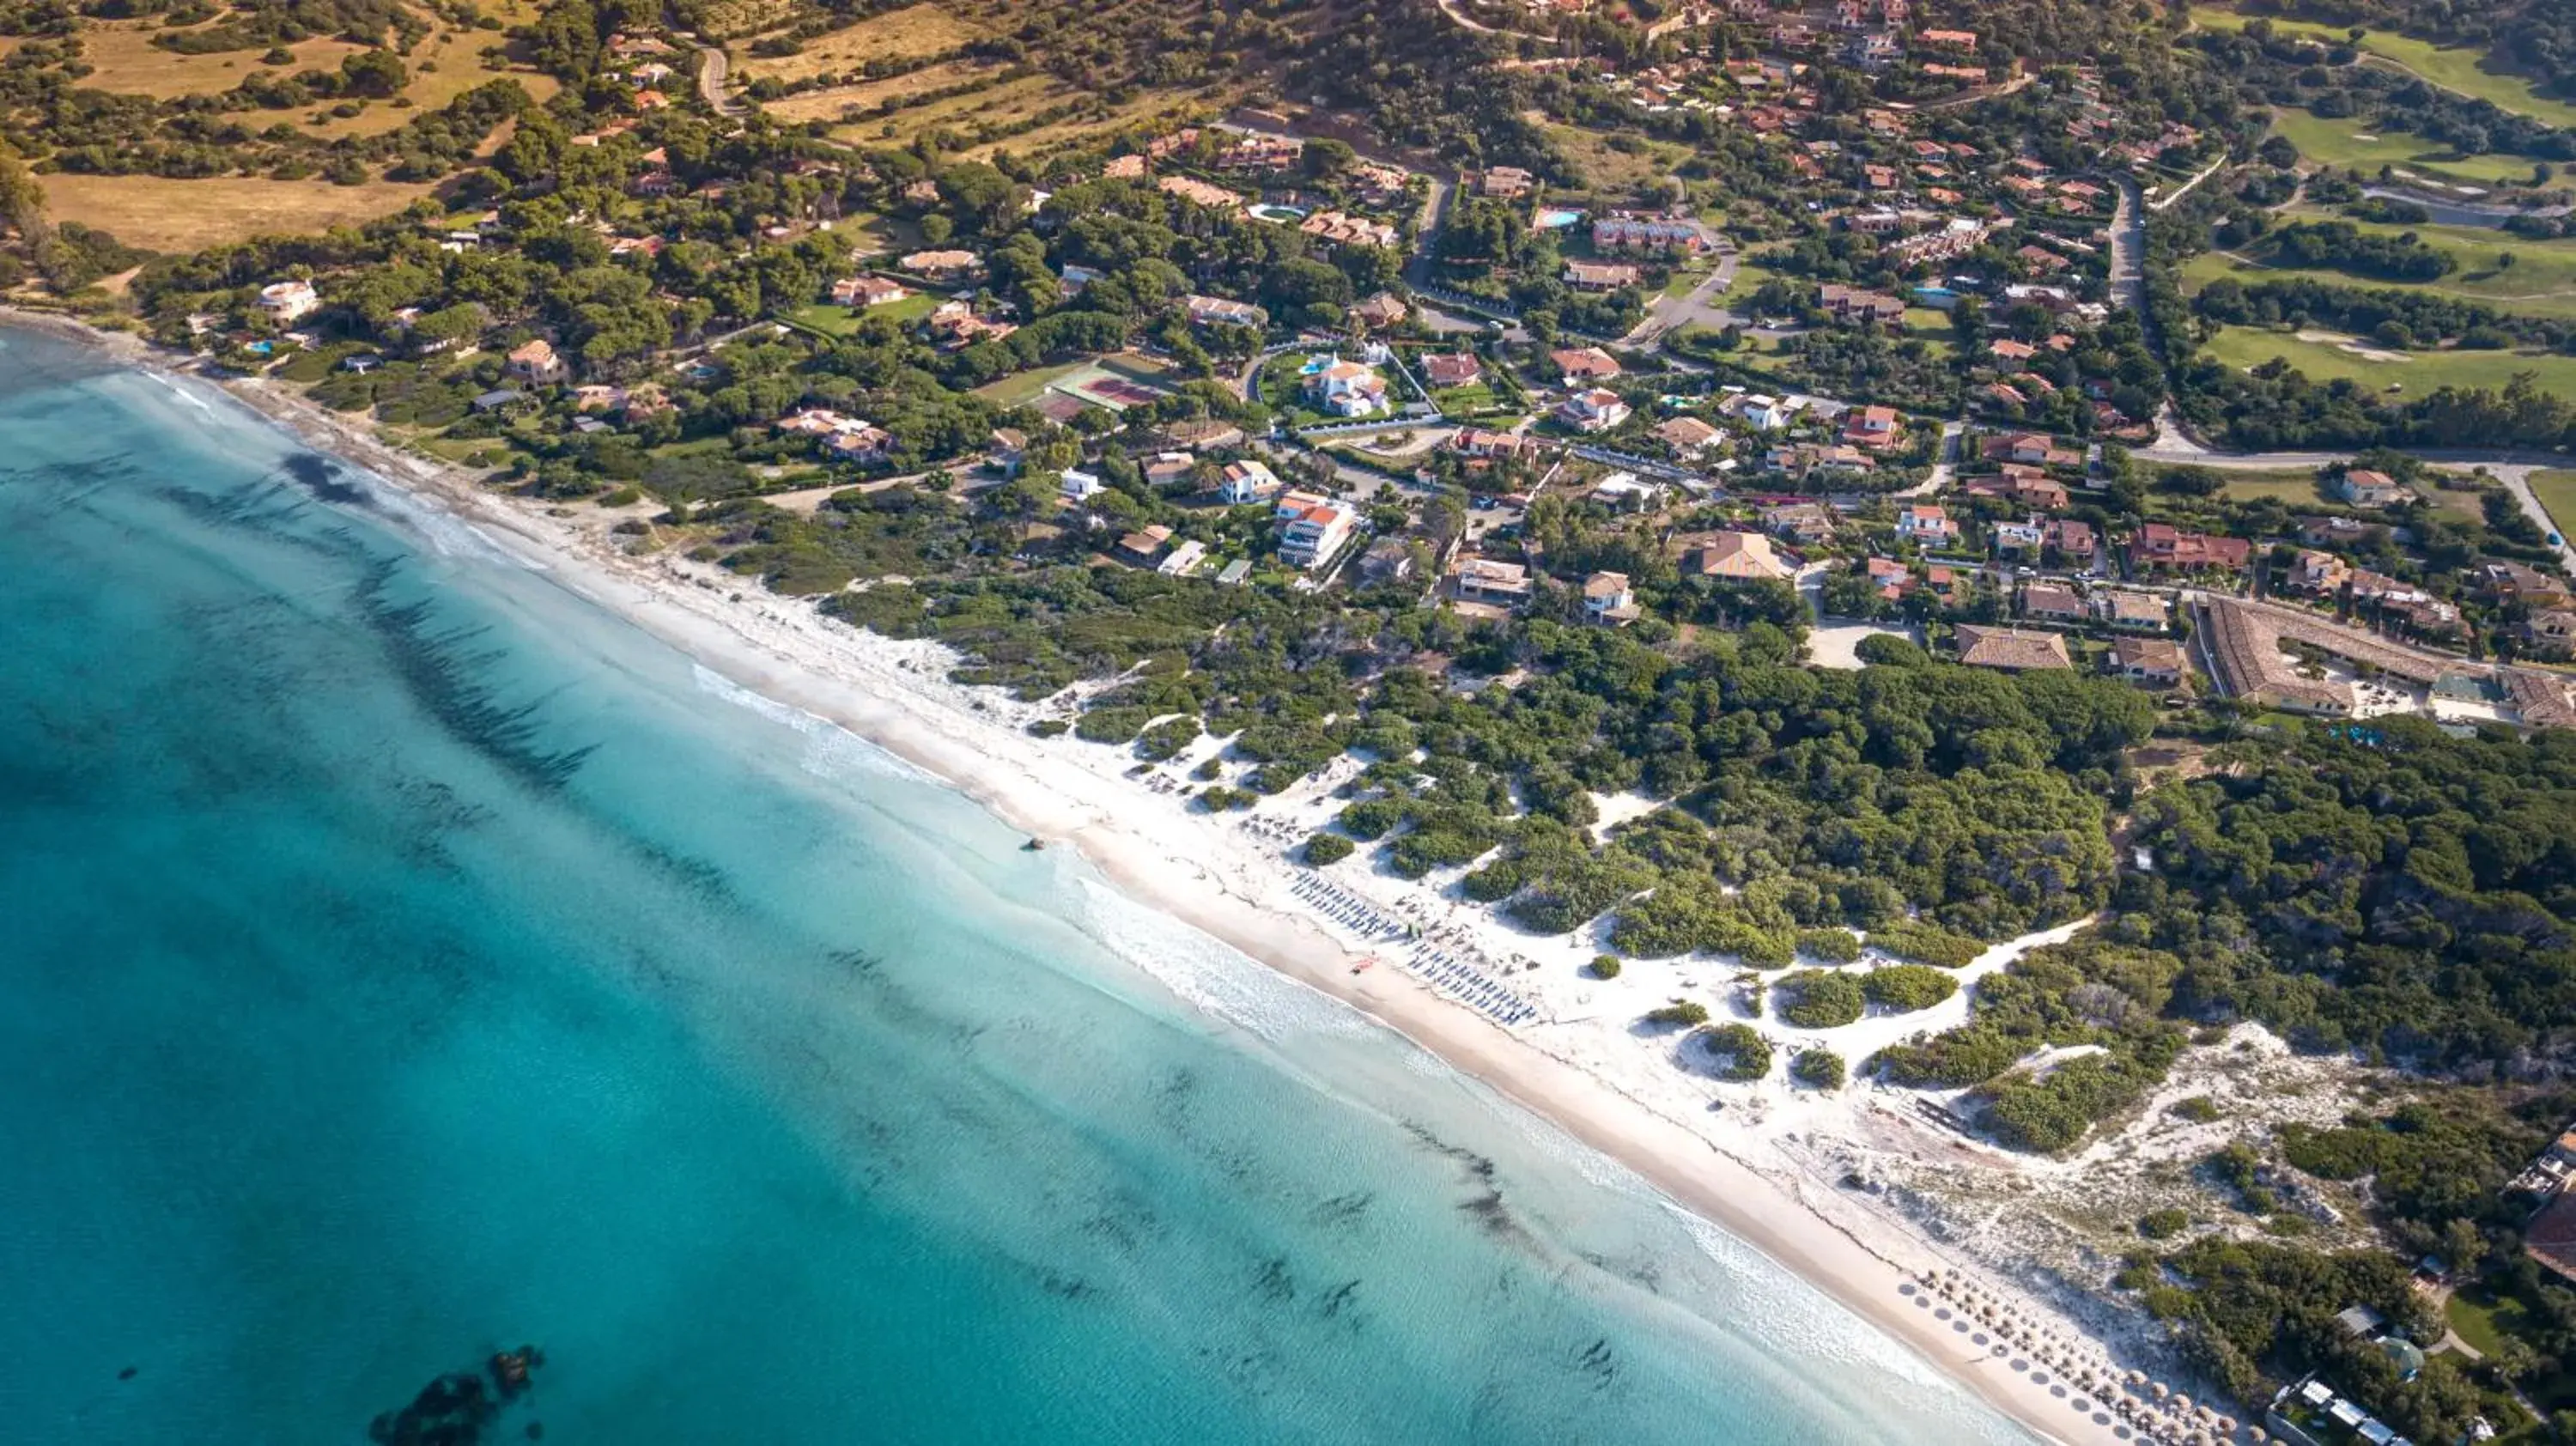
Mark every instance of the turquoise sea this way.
pixel 401 959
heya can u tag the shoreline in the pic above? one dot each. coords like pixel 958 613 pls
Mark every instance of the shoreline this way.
pixel 1198 868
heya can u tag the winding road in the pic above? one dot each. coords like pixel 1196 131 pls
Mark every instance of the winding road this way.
pixel 711 81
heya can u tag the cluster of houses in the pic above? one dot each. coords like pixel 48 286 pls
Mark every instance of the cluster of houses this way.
pixel 1273 166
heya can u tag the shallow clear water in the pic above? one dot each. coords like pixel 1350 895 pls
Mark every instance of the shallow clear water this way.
pixel 400 959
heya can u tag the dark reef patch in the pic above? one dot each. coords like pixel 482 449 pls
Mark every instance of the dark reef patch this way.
pixel 320 475
pixel 439 667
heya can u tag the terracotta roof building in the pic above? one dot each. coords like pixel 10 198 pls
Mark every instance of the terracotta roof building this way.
pixel 1451 369
pixel 1742 556
pixel 2153 661
pixel 2011 650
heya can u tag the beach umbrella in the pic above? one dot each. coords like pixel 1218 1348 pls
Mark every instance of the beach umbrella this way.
pixel 2182 1404
pixel 2137 1378
pixel 2158 1391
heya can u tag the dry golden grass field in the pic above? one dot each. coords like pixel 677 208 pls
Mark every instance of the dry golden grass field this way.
pixel 829 103
pixel 898 35
pixel 444 66
pixel 183 216
pixel 1015 113
pixel 122 58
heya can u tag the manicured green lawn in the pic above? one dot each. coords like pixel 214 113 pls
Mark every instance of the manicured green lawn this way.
pixel 2557 493
pixel 2419 374
pixel 2451 68
pixel 2482 1320
pixel 839 321
pixel 2296 488
pixel 2351 142
pixel 1021 388
pixel 1684 278
pixel 2540 282
pixel 1749 276
pixel 1467 401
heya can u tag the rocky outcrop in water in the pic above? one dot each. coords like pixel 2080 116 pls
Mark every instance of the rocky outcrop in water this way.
pixel 463 1408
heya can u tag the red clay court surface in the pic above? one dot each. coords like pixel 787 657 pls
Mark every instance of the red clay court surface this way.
pixel 1117 392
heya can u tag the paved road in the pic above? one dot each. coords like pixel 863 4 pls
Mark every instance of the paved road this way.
pixel 2518 482
pixel 2129 293
pixel 1982 94
pixel 2185 189
pixel 2129 249
pixel 711 81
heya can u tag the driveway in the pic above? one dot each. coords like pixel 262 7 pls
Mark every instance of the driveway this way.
pixel 1700 306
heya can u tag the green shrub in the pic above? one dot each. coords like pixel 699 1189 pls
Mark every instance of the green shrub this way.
pixel 1112 725
pixel 1834 946
pixel 1221 798
pixel 1740 1051
pixel 1886 650
pixel 1687 1012
pixel 2199 1109
pixel 1372 819
pixel 2052 1112
pixel 1821 999
pixel 1166 739
pixel 1605 966
pixel 1908 987
pixel 626 496
pixel 1821 1068
pixel 1927 943
pixel 2163 1224
pixel 1328 848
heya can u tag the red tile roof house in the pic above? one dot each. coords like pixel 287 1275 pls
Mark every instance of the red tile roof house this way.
pixel 2363 488
pixel 536 362
pixel 1742 555
pixel 1600 275
pixel 2043 603
pixel 1877 428
pixel 1584 364
pixel 1926 522
pixel 1687 435
pixel 2156 662
pixel 2011 650
pixel 1451 369
pixel 866 291
pixel 1479 442
pixel 2072 540
pixel 2031 449
pixel 1892 579
pixel 1848 303
pixel 2035 490
pixel 1592 411
pixel 2161 545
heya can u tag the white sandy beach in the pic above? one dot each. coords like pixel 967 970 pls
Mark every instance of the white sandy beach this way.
pixel 1766 1162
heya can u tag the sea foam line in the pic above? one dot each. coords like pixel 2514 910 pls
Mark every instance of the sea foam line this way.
pixel 1205 972
pixel 831 751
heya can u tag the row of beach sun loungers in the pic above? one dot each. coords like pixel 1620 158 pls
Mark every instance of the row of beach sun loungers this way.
pixel 1446 972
